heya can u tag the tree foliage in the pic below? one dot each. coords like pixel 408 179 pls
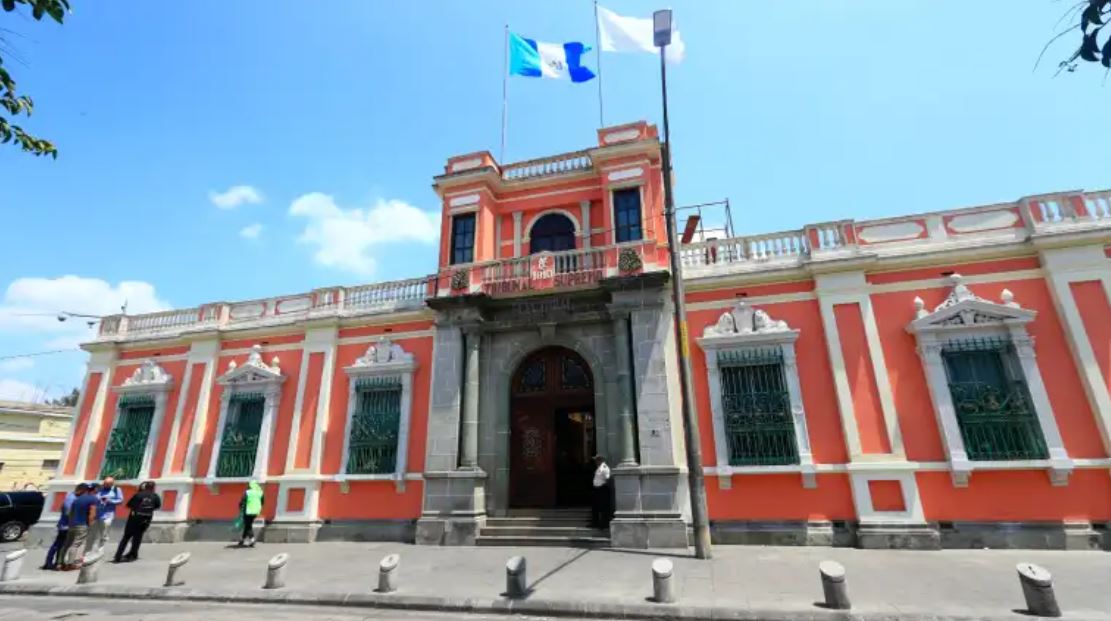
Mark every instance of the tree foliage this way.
pixel 69 400
pixel 12 104
pixel 1088 18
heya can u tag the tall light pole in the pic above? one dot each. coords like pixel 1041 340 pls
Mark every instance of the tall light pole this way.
pixel 661 27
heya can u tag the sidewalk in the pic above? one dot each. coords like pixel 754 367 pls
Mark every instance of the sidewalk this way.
pixel 740 582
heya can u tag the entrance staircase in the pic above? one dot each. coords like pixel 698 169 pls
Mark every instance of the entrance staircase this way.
pixel 543 527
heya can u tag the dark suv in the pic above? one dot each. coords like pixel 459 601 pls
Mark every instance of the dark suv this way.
pixel 18 512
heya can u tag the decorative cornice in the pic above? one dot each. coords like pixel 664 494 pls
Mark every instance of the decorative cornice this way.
pixel 963 309
pixel 149 376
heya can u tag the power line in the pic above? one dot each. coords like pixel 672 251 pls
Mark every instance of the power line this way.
pixel 39 353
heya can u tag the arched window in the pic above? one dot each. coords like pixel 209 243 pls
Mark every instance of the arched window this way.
pixel 552 232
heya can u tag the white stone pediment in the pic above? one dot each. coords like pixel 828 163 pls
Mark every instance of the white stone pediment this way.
pixel 148 376
pixel 962 309
pixel 744 324
pixel 253 371
pixel 382 357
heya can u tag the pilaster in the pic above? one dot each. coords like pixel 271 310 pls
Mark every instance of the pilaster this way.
pixel 103 362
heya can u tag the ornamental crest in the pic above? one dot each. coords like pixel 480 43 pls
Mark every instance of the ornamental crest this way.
pixel 744 319
pixel 148 374
pixel 383 352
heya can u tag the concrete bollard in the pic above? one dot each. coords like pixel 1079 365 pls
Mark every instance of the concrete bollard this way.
pixel 275 571
pixel 1037 588
pixel 387 573
pixel 90 568
pixel 13 564
pixel 833 585
pixel 516 584
pixel 663 589
pixel 173 573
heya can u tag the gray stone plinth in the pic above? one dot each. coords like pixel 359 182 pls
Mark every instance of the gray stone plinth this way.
pixel 644 532
pixel 1037 588
pixel 368 530
pixel 1020 535
pixel 166 532
pixel 290 532
pixel 878 536
pixel 175 570
pixel 454 508
pixel 834 588
pixel 442 531
pixel 275 571
pixel 780 533
pixel 663 583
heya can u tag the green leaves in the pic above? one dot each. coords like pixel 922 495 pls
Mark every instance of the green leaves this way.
pixel 14 134
pixel 14 104
pixel 56 9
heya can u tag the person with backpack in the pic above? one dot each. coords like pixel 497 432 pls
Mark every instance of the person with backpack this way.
pixel 142 505
pixel 250 507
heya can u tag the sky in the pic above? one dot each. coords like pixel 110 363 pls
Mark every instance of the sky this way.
pixel 222 151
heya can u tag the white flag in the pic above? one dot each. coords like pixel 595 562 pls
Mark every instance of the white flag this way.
pixel 634 34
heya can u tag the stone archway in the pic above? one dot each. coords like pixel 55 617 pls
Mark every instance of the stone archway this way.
pixel 552 430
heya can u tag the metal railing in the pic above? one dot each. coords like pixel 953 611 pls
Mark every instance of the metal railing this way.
pixel 997 422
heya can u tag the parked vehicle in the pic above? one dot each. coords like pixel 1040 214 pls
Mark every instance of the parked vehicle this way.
pixel 18 512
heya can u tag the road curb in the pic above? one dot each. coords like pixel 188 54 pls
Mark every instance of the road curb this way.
pixel 531 606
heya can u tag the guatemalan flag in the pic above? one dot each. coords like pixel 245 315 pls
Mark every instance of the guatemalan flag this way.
pixel 536 59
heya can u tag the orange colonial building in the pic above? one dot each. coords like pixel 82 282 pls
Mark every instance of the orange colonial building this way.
pixel 924 381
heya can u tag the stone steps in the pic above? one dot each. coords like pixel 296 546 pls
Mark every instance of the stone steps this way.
pixel 543 527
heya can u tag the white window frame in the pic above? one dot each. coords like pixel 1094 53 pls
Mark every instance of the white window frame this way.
pixel 382 359
pixel 149 379
pixel 963 316
pixel 745 327
pixel 253 376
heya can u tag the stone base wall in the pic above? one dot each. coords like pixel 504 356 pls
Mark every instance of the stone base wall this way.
pixel 443 531
pixel 783 533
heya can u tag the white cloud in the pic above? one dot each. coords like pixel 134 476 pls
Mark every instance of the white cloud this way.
pixel 16 364
pixel 32 304
pixel 15 390
pixel 346 238
pixel 235 196
pixel 251 231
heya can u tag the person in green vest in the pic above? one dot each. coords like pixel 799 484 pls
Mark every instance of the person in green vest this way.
pixel 250 507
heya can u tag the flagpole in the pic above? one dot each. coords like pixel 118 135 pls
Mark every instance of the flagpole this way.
pixel 598 46
pixel 504 95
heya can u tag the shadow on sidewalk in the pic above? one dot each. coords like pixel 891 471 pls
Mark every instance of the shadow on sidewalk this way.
pixel 554 571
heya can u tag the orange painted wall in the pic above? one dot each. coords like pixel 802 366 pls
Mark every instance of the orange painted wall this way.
pixel 139 354
pixel 815 374
pixel 1016 495
pixel 367 500
pixel 284 339
pixel 780 497
pixel 1095 312
pixel 223 504
pixel 408 326
pixel 96 458
pixel 964 269
pixel 862 380
pixel 81 425
pixel 421 348
pixel 306 429
pixel 188 415
pixel 778 288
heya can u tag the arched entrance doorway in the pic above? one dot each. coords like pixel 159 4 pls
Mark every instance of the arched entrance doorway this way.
pixel 552 232
pixel 551 430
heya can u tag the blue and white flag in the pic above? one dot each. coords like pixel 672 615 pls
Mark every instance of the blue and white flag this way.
pixel 536 59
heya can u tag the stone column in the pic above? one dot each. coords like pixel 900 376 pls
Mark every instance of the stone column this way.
pixel 624 390
pixel 468 459
pixel 584 207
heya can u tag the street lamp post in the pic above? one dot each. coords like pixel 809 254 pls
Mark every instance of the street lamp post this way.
pixel 661 26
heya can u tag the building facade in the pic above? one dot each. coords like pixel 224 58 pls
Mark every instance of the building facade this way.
pixel 923 381
pixel 32 437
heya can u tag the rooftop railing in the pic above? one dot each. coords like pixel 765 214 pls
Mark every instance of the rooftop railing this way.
pixel 547 166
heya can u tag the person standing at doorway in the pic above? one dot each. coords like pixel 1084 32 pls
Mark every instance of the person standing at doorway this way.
pixel 82 515
pixel 110 497
pixel 600 498
pixel 56 555
pixel 142 505
pixel 250 507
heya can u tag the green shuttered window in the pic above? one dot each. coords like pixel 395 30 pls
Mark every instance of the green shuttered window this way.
pixel 375 426
pixel 123 458
pixel 992 403
pixel 757 408
pixel 239 443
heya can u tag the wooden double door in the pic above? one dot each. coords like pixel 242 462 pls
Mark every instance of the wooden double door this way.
pixel 552 431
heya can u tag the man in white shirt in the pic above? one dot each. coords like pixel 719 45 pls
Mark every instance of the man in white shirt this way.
pixel 600 498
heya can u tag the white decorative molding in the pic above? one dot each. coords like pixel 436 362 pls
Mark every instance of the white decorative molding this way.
pixel 746 327
pixel 466 199
pixel 247 310
pixel 983 221
pixel 148 378
pixel 622 136
pixel 253 375
pixel 964 316
pixel 294 305
pixel 895 231
pixel 382 359
pixel 628 173
pixel 470 164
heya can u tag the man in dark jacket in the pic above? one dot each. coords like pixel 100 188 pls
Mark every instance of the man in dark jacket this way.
pixel 142 505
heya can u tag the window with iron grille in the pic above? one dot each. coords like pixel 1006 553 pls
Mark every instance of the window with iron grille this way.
pixel 123 459
pixel 757 408
pixel 462 239
pixel 626 215
pixel 993 406
pixel 375 425
pixel 239 442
